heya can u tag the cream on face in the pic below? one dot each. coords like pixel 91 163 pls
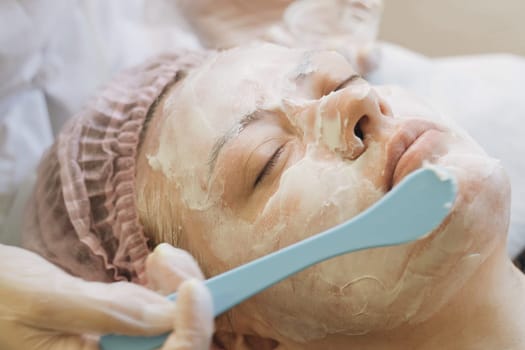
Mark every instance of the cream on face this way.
pixel 304 158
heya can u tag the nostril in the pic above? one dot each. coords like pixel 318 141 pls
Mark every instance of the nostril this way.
pixel 358 128
pixel 354 148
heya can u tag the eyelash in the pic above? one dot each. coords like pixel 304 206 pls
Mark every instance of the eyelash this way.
pixel 269 165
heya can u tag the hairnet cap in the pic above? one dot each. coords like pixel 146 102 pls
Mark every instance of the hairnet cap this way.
pixel 82 215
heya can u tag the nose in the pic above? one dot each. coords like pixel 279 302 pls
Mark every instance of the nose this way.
pixel 345 119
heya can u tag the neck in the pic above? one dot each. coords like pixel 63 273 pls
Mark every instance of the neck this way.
pixel 487 313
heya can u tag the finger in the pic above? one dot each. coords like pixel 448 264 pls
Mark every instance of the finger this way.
pixel 167 267
pixel 193 318
pixel 91 307
pixel 39 294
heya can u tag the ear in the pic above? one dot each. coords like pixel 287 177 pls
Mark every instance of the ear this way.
pixel 223 340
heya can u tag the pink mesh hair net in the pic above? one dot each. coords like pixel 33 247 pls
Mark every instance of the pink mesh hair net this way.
pixel 82 215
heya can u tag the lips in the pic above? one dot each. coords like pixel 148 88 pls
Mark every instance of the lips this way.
pixel 402 157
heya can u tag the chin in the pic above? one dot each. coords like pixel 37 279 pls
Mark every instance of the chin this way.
pixel 477 224
pixel 482 208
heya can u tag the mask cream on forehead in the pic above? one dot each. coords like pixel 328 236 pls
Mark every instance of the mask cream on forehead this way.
pixel 206 105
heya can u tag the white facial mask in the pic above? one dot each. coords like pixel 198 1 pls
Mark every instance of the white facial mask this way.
pixel 325 185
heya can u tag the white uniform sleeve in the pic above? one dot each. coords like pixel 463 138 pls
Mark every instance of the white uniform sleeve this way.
pixel 53 58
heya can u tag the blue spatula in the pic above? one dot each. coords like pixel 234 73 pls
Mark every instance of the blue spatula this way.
pixel 409 211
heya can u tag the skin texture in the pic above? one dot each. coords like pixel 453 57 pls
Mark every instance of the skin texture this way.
pixel 341 144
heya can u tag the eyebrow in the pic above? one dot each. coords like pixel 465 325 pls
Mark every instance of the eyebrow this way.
pixel 347 80
pixel 235 130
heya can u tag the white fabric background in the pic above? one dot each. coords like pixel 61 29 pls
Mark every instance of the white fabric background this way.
pixel 54 55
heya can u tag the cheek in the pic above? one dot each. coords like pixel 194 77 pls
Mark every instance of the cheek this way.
pixel 313 196
pixel 482 206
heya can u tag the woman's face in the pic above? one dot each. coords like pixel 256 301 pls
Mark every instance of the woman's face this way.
pixel 264 146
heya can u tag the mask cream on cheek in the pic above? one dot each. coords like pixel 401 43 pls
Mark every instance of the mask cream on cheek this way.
pixel 312 195
pixel 319 193
pixel 352 293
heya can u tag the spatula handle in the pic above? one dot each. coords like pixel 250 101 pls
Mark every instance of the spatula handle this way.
pixel 411 210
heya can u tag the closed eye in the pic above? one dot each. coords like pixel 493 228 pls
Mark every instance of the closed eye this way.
pixel 269 165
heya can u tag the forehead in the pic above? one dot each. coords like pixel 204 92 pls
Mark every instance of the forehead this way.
pixel 236 82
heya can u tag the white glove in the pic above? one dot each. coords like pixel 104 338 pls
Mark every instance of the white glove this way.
pixel 42 307
pixel 172 270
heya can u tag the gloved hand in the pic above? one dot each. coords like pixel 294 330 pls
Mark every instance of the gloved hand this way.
pixel 42 307
pixel 347 26
pixel 172 270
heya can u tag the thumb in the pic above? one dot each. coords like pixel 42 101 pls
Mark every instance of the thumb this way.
pixel 193 318
pixel 167 267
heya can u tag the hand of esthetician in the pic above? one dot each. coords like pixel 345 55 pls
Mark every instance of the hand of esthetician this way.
pixel 42 307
